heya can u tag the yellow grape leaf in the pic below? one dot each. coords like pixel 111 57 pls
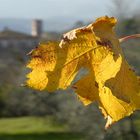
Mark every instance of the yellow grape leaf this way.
pixel 87 89
pixel 121 93
pixel 54 67
pixel 109 81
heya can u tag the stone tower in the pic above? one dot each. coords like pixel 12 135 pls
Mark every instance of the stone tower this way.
pixel 36 28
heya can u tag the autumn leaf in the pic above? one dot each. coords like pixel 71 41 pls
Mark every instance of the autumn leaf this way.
pixel 54 67
pixel 109 81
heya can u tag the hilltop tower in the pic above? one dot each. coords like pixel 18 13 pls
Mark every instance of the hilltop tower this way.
pixel 36 28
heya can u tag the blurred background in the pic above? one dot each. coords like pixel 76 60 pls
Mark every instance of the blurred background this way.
pixel 26 114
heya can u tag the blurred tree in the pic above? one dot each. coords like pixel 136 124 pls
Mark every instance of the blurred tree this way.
pixel 126 12
pixel 23 102
pixel 123 8
pixel 89 121
pixel 130 26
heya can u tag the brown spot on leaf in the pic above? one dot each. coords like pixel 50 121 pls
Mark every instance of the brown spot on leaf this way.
pixel 96 84
pixel 105 43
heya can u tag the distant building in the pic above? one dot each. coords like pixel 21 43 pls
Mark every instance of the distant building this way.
pixel 36 28
pixel 9 37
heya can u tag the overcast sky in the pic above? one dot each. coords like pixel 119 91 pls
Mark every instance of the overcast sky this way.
pixel 53 8
pixel 44 9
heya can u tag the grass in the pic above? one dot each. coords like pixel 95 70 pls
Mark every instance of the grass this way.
pixel 35 128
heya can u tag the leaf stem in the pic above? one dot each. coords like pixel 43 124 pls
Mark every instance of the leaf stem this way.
pixel 129 37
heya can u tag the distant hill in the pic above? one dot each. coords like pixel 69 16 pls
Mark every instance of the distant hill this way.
pixel 21 25
pixel 24 25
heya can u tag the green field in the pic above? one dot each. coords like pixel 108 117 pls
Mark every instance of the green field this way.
pixel 35 128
